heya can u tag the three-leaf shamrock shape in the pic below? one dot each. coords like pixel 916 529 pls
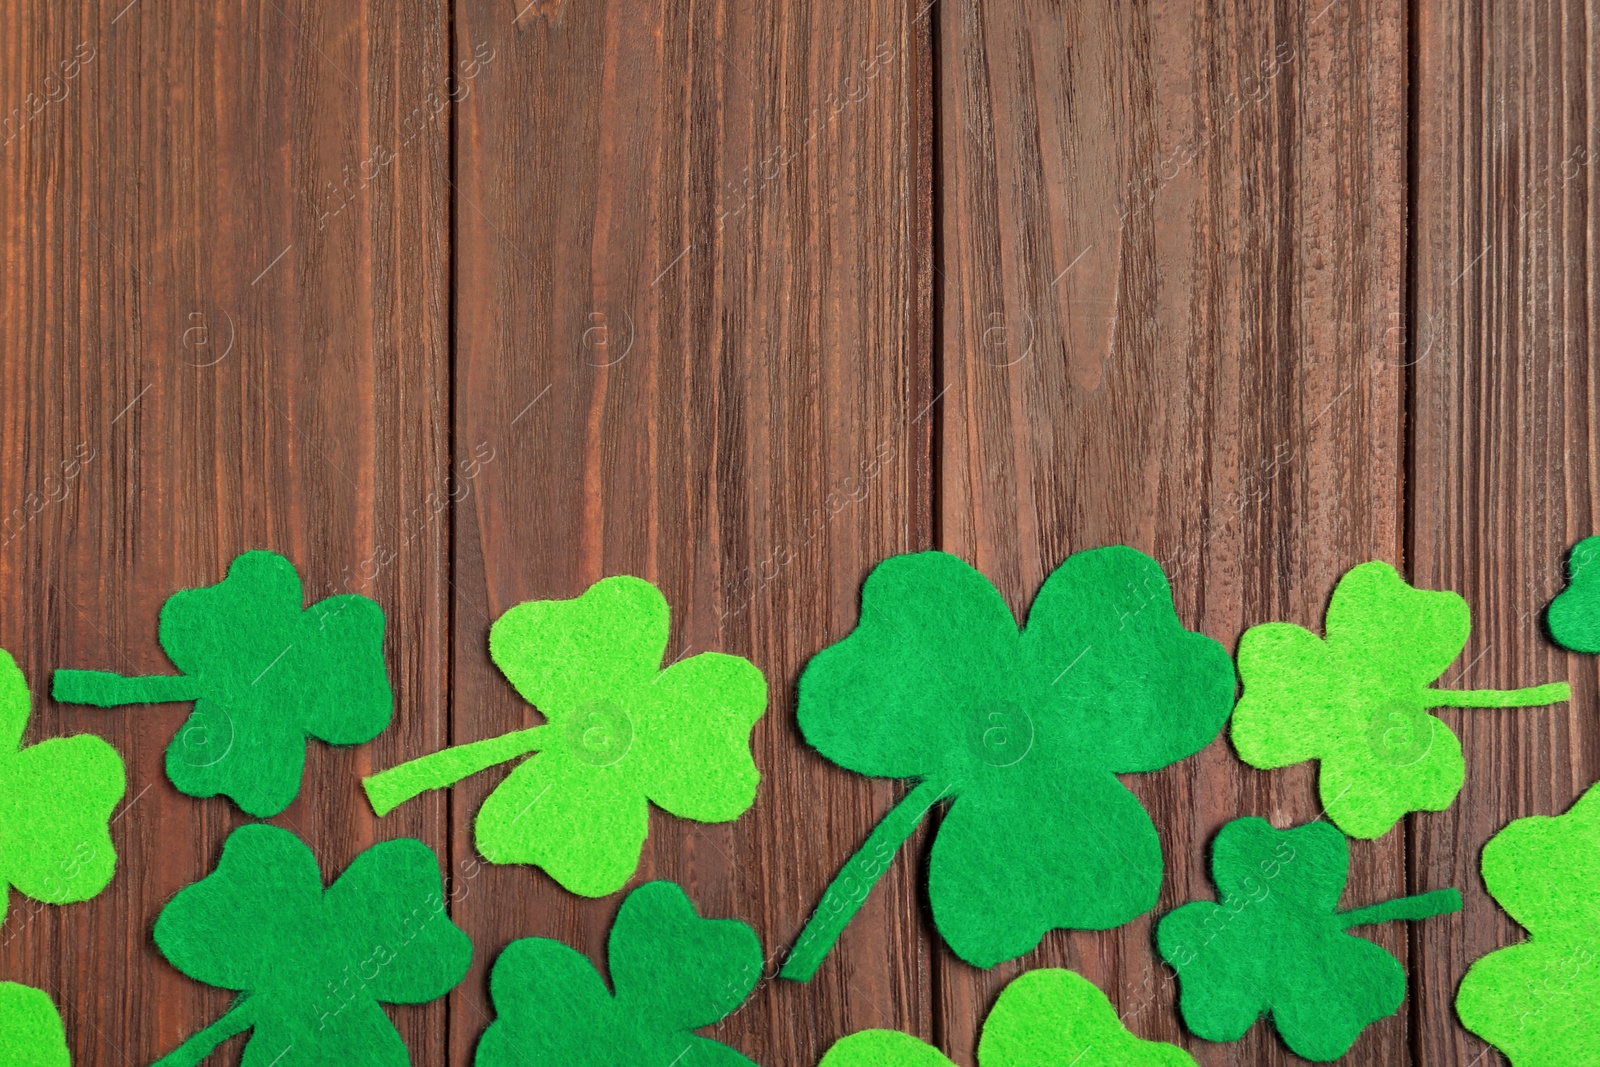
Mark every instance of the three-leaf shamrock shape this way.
pixel 1026 730
pixel 1276 946
pixel 311 965
pixel 1358 700
pixel 672 971
pixel 1043 1017
pixel 56 799
pixel 31 1034
pixel 263 674
pixel 1535 1001
pixel 1574 615
pixel 619 732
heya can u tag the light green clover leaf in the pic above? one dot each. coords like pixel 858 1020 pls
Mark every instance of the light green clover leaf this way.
pixel 31 1034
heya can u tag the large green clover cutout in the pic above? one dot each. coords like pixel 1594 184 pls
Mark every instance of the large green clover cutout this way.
pixel 1536 1001
pixel 312 965
pixel 263 674
pixel 1043 1017
pixel 1025 730
pixel 619 732
pixel 56 800
pixel 1276 945
pixel 672 971
pixel 1574 615
pixel 31 1034
pixel 1358 700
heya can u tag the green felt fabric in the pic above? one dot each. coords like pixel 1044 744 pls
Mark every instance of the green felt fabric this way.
pixel 56 800
pixel 1574 615
pixel 1044 1018
pixel 1276 945
pixel 620 732
pixel 1025 729
pixel 1539 1001
pixel 672 971
pixel 1357 700
pixel 312 965
pixel 263 674
pixel 31 1034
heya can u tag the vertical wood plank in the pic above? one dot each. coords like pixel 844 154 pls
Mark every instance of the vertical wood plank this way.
pixel 688 332
pixel 1170 296
pixel 224 326
pixel 1504 315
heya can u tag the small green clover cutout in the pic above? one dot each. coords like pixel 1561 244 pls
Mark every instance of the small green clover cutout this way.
pixel 31 1034
pixel 1043 1017
pixel 1276 945
pixel 56 800
pixel 1024 731
pixel 1535 1001
pixel 620 733
pixel 312 965
pixel 1574 615
pixel 672 973
pixel 263 674
pixel 1358 699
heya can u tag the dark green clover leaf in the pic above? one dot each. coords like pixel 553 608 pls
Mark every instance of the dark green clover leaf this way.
pixel 1276 945
pixel 312 965
pixel 263 674
pixel 1024 730
pixel 1574 615
pixel 672 971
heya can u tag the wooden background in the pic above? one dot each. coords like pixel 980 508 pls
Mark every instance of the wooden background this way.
pixel 463 304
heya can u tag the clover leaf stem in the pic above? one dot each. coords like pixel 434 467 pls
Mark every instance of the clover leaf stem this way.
pixel 238 1018
pixel 1532 697
pixel 103 689
pixel 388 789
pixel 1422 906
pixel 848 891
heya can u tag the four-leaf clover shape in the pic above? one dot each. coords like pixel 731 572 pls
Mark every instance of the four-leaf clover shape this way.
pixel 1025 729
pixel 1357 700
pixel 620 733
pixel 1046 1016
pixel 672 973
pixel 31 1034
pixel 311 965
pixel 263 674
pixel 1276 945
pixel 1535 1001
pixel 56 800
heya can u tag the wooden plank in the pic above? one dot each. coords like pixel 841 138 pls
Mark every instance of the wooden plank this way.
pixel 1506 293
pixel 225 326
pixel 1173 243
pixel 688 331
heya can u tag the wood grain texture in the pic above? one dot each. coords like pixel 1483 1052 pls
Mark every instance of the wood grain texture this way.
pixel 234 318
pixel 1172 249
pixel 1506 293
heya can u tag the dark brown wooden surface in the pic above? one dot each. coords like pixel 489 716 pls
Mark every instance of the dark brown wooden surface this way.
pixel 459 305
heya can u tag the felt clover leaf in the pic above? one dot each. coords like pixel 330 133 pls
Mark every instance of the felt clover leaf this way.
pixel 56 799
pixel 311 965
pixel 31 1034
pixel 672 973
pixel 263 674
pixel 1026 730
pixel 1535 1001
pixel 1358 699
pixel 1574 615
pixel 1042 1017
pixel 1275 945
pixel 619 732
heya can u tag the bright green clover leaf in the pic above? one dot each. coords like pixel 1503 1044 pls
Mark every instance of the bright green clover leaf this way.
pixel 1358 700
pixel 1026 730
pixel 312 965
pixel 1042 1017
pixel 1574 615
pixel 31 1034
pixel 1535 1001
pixel 1276 946
pixel 619 731
pixel 263 674
pixel 56 800
pixel 672 971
